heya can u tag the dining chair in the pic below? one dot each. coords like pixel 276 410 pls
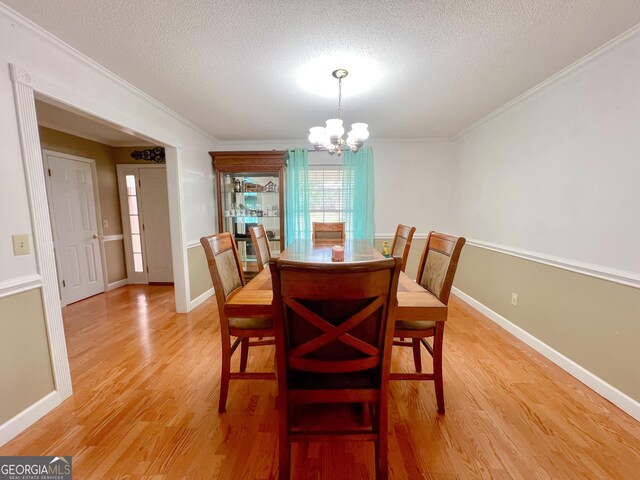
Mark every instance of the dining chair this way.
pixel 328 230
pixel 402 243
pixel 260 243
pixel 334 331
pixel 436 270
pixel 226 274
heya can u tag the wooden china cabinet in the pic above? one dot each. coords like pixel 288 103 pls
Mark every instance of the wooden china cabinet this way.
pixel 250 191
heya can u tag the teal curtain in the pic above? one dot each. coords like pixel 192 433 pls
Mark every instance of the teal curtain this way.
pixel 358 192
pixel 297 219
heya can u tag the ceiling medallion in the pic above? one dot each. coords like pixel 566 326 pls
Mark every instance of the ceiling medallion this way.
pixel 329 138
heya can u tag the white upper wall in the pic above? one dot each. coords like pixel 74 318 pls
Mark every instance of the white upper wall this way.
pixel 38 54
pixel 558 172
pixel 412 180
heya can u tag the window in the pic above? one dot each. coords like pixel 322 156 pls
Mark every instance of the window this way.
pixel 330 193
pixel 134 221
pixel 327 196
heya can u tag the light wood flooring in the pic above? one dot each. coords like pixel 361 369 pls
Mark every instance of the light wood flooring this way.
pixel 146 388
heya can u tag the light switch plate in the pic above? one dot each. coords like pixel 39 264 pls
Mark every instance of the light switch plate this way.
pixel 20 244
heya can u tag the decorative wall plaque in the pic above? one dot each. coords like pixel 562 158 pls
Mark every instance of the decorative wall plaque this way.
pixel 155 154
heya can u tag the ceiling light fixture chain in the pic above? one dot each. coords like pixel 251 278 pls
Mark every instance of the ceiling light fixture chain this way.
pixel 329 138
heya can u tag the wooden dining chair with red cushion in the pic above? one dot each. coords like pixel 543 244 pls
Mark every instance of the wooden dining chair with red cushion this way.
pixel 260 243
pixel 328 231
pixel 334 331
pixel 402 243
pixel 435 273
pixel 226 274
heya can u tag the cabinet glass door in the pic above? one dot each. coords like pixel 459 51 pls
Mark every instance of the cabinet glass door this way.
pixel 249 199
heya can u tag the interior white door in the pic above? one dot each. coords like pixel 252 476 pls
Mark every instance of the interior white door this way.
pixel 154 202
pixel 76 230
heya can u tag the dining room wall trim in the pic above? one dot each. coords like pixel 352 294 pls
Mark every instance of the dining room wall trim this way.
pixel 19 285
pixel 113 238
pixel 116 284
pixel 597 384
pixel 200 299
pixel 12 427
pixel 39 32
pixel 576 66
pixel 621 277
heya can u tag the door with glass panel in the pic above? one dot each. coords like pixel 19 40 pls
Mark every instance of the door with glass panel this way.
pixel 144 209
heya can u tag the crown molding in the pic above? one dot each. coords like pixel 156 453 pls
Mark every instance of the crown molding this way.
pixel 20 21
pixel 576 66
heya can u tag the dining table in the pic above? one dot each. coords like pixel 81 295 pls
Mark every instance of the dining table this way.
pixel 414 301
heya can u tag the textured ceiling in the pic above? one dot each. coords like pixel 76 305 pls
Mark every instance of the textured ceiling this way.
pixel 230 66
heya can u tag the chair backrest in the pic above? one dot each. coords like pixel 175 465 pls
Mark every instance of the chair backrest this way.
pixel 224 266
pixel 439 263
pixel 334 318
pixel 260 245
pixel 328 231
pixel 402 243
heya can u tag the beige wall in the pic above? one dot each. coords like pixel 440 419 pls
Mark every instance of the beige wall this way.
pixel 595 323
pixel 417 245
pixel 199 277
pixel 116 266
pixel 106 158
pixel 107 188
pixel 25 365
pixel 105 169
pixel 123 155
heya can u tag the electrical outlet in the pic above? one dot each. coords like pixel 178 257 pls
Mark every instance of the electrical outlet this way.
pixel 20 244
pixel 514 299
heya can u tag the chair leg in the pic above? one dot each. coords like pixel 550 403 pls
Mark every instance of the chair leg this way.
pixel 437 365
pixel 244 354
pixel 284 444
pixel 381 445
pixel 225 375
pixel 416 354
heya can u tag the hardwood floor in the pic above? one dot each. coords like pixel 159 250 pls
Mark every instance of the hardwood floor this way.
pixel 146 389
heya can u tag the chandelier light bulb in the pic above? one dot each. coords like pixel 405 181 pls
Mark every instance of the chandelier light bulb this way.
pixel 330 137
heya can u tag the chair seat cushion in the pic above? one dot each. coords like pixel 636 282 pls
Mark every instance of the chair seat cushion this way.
pixel 415 325
pixel 251 323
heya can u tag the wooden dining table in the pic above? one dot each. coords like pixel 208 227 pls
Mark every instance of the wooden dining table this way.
pixel 414 302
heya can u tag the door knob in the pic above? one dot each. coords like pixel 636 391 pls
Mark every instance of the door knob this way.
pixel 96 236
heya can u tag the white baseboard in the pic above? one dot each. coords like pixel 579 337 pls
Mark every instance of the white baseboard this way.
pixel 201 298
pixel 30 415
pixel 615 396
pixel 118 284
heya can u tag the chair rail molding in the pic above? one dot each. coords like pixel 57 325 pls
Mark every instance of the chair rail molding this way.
pixel 19 285
pixel 622 277
pixel 113 238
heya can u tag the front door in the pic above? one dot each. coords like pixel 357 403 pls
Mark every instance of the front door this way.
pixel 154 201
pixel 73 218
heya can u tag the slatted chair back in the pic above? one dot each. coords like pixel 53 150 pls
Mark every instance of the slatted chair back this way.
pixel 328 231
pixel 260 243
pixel 439 263
pixel 402 243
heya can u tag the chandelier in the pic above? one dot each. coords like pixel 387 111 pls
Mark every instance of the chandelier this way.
pixel 329 138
